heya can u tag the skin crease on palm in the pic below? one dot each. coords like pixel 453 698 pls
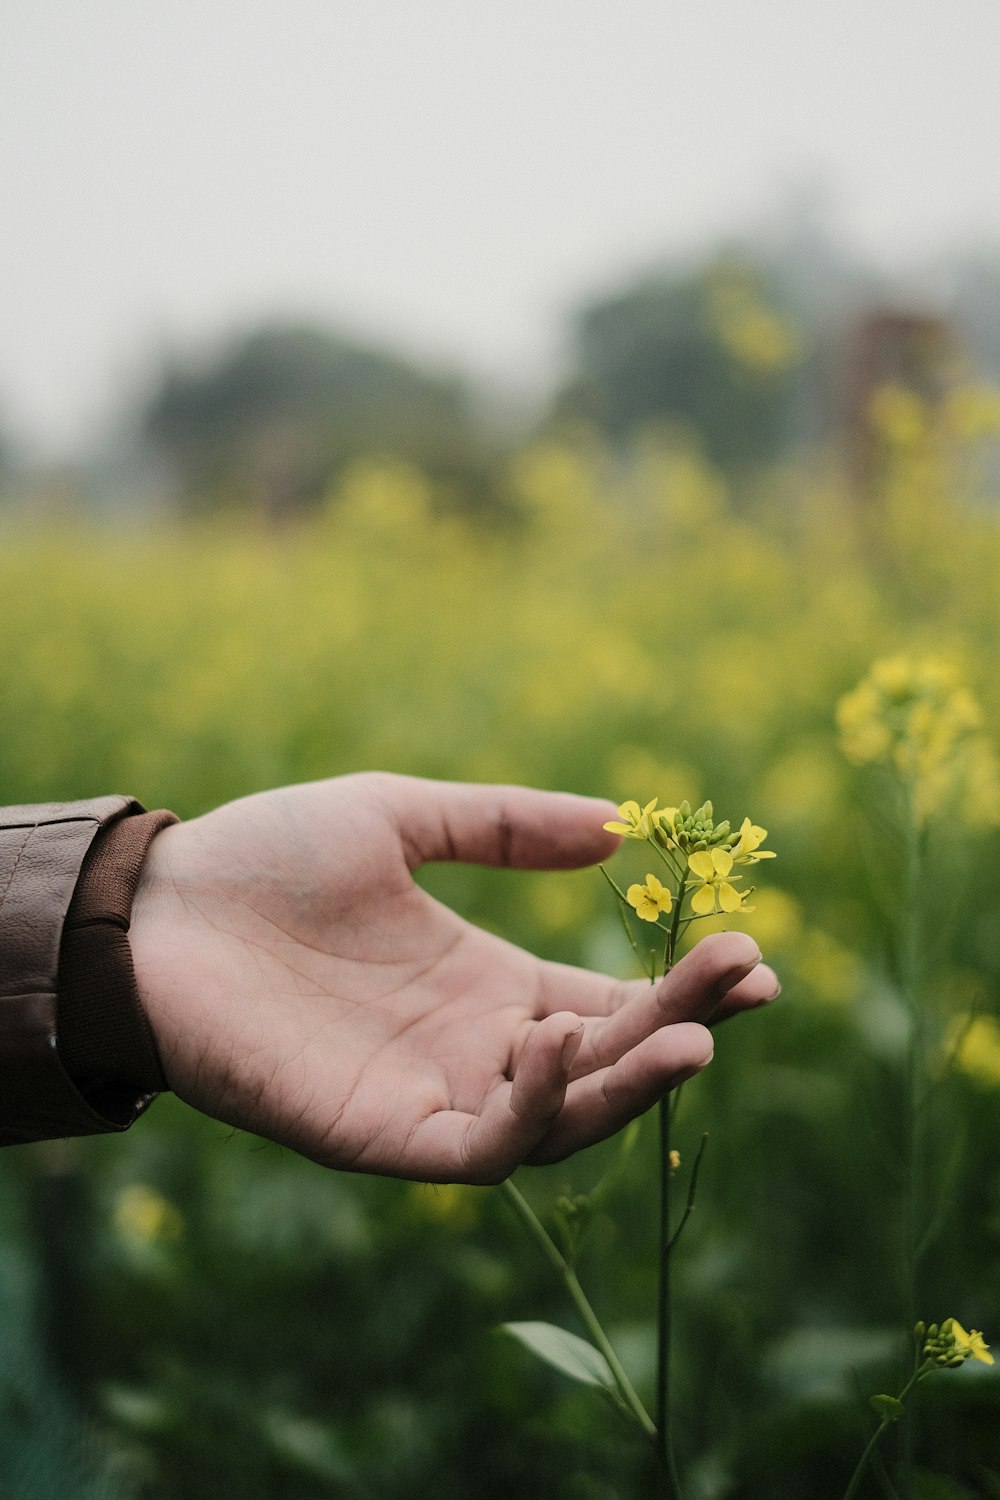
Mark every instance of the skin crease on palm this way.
pixel 301 985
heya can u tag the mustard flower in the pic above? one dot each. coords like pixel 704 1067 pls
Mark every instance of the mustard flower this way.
pixel 971 1344
pixel 650 899
pixel 747 850
pixel 913 715
pixel 639 822
pixel 712 869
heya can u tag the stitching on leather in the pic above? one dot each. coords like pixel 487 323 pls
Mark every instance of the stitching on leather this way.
pixel 17 861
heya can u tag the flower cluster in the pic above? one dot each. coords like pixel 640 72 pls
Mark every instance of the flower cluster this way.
pixel 915 716
pixel 699 857
pixel 948 1344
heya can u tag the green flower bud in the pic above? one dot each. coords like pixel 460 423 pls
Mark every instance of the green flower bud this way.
pixel 685 809
pixel 721 832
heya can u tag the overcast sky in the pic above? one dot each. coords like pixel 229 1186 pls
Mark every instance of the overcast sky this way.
pixel 451 174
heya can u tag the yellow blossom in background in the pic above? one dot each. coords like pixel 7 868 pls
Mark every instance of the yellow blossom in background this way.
pixel 638 823
pixel 649 900
pixel 711 869
pixel 776 922
pixel 144 1217
pixel 635 765
pixel 754 334
pixel 973 1045
pixel 913 715
pixel 972 411
pixel 827 969
pixel 558 904
pixel 898 415
pixel 448 1203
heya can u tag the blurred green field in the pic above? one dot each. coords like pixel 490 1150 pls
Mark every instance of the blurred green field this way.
pixel 222 1319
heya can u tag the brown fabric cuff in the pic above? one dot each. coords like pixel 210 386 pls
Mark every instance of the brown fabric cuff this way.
pixel 104 1039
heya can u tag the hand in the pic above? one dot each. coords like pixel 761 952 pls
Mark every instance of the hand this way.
pixel 300 985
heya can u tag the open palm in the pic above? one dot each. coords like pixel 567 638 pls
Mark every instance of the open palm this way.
pixel 301 985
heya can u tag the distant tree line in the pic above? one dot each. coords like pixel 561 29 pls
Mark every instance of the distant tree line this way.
pixel 748 353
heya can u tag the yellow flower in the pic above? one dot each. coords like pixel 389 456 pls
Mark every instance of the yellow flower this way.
pixel 972 1345
pixel 748 851
pixel 712 868
pixel 913 715
pixel 143 1216
pixel 649 899
pixel 639 822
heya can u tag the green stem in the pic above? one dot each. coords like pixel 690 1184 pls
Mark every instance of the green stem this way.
pixel 916 1086
pixel 873 1443
pixel 555 1257
pixel 876 1436
pixel 692 1192
pixel 676 872
pixel 665 1444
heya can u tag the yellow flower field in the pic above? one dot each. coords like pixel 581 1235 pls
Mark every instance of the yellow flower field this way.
pixel 632 628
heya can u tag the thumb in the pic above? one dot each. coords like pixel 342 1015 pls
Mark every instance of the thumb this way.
pixel 497 825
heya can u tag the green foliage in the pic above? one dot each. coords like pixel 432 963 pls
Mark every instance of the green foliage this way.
pixel 711 350
pixel 281 410
pixel 564 1351
pixel 252 1328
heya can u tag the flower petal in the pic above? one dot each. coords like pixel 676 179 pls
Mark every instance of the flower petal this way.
pixel 700 864
pixel 729 897
pixel 703 901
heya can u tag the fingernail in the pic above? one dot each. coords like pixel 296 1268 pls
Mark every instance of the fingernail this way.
pixel 571 1045
pixel 732 976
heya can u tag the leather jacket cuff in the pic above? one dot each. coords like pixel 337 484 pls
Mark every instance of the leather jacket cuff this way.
pixel 43 851
pixel 104 1038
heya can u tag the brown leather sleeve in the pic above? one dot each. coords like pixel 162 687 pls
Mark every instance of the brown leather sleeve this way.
pixel 43 849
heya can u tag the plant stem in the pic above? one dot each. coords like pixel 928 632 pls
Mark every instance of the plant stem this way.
pixel 692 1192
pixel 876 1436
pixel 873 1443
pixel 555 1257
pixel 665 1445
pixel 664 1313
pixel 916 1085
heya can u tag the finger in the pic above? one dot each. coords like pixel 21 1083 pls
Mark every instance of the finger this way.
pixel 498 825
pixel 604 1102
pixel 759 988
pixel 692 991
pixel 486 1148
pixel 565 987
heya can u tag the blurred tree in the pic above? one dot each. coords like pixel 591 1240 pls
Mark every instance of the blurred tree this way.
pixel 714 349
pixel 272 419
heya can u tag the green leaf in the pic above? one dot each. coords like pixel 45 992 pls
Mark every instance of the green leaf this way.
pixel 564 1351
pixel 887 1407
